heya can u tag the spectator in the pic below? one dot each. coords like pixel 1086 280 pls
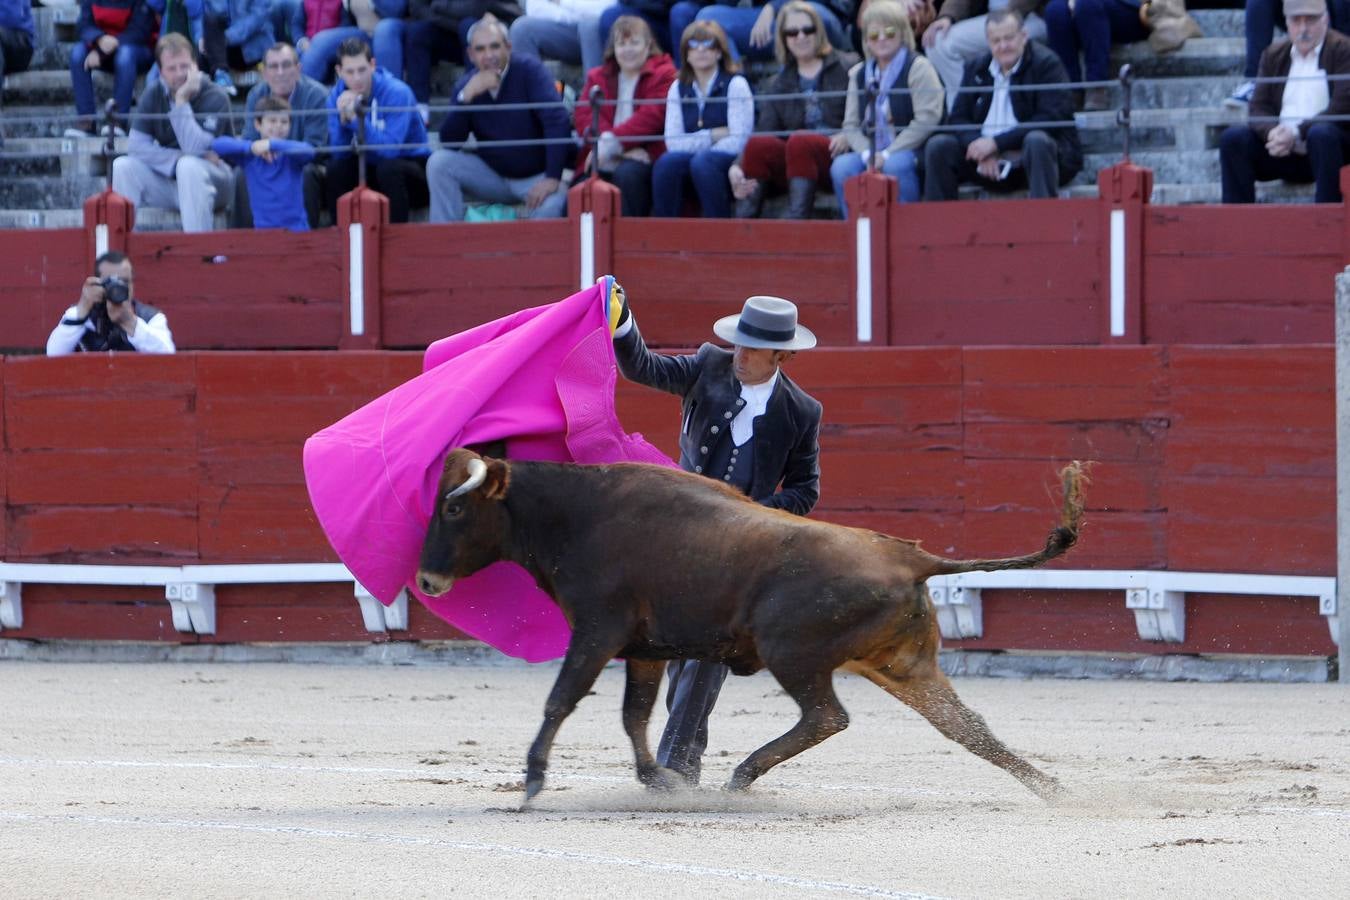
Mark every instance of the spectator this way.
pixel 709 116
pixel 438 31
pixel 16 40
pixel 957 36
pixel 379 22
pixel 799 162
pixel 238 33
pixel 1259 20
pixel 909 105
pixel 185 17
pixel 1000 142
pixel 1090 27
pixel 749 29
pixel 1297 129
pixel 308 102
pixel 109 317
pixel 565 30
pixel 635 70
pixel 656 13
pixel 529 173
pixel 273 166
pixel 395 138
pixel 169 163
pixel 305 19
pixel 114 35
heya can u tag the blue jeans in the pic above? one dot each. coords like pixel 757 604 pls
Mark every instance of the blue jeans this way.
pixel 426 43
pixel 387 45
pixel 282 13
pixel 902 165
pixel 738 21
pixel 571 43
pixel 128 61
pixel 1092 27
pixel 706 169
pixel 453 173
pixel 1243 161
pixel 660 24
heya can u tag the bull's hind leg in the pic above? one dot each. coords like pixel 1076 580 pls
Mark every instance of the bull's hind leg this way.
pixel 581 666
pixel 822 716
pixel 644 683
pixel 934 698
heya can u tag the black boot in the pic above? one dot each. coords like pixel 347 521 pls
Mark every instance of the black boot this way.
pixel 801 197
pixel 749 207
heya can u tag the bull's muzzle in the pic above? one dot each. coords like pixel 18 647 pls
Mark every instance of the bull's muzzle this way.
pixel 433 585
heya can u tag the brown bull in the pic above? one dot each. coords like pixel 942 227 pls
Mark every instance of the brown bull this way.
pixel 652 564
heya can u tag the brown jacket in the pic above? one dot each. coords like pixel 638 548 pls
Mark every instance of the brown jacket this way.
pixel 1264 110
pixel 956 10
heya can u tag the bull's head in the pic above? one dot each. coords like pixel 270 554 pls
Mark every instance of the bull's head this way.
pixel 468 528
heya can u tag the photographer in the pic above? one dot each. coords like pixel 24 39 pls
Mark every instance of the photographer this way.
pixel 108 318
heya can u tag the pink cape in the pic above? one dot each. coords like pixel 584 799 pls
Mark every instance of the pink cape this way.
pixel 543 381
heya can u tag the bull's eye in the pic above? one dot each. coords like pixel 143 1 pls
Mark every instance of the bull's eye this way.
pixel 453 509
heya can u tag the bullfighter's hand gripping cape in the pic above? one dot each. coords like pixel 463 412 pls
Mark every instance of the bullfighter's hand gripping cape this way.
pixel 543 381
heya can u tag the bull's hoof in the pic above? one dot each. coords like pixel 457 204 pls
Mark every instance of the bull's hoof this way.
pixel 1049 789
pixel 662 779
pixel 532 788
pixel 738 784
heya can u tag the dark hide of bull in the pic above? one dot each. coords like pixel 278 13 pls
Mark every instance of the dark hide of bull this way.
pixel 652 564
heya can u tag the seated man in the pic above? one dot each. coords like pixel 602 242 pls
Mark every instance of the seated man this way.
pixel 109 317
pixel 529 173
pixel 1259 20
pixel 565 30
pixel 309 123
pixel 1293 132
pixel 956 37
pixel 114 35
pixel 169 163
pixel 998 144
pixel 394 136
pixel 237 33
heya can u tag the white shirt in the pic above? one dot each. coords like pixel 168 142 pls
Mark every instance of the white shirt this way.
pixel 150 337
pixel 1001 117
pixel 756 397
pixel 1306 92
pixel 569 12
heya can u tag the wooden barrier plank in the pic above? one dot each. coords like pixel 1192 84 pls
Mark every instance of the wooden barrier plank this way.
pixel 218 289
pixel 924 480
pixel 40 276
pixel 1068 222
pixel 112 477
pixel 97 613
pixel 120 535
pixel 1243 232
pixel 287 612
pixel 260 523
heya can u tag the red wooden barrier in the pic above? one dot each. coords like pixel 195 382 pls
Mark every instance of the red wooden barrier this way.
pixel 1210 459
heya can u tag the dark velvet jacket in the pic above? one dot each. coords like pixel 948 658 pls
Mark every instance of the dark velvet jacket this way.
pixel 787 449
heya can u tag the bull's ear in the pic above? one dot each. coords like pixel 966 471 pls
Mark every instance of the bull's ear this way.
pixel 498 479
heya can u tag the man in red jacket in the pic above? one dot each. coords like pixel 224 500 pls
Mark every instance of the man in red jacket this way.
pixel 627 131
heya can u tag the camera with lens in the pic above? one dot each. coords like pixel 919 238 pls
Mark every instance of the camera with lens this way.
pixel 116 290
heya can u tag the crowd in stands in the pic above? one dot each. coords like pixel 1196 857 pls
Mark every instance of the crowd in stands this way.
pixel 968 91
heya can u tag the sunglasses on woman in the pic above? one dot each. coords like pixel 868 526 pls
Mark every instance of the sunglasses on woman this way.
pixel 702 43
pixel 797 32
pixel 888 32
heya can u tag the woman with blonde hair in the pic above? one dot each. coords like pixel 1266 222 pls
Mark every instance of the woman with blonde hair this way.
pixel 909 103
pixel 627 132
pixel 710 113
pixel 799 161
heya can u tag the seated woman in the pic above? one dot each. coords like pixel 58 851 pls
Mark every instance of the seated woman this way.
pixel 710 113
pixel 800 161
pixel 627 131
pixel 750 27
pixel 909 104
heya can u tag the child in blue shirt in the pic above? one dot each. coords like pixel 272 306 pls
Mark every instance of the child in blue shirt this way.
pixel 273 165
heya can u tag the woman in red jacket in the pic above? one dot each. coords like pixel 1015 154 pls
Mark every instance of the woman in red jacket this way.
pixel 628 131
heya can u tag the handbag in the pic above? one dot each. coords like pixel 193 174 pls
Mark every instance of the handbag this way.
pixel 1170 26
pixel 490 212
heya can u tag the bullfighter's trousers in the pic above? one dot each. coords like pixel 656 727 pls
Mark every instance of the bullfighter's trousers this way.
pixel 694 686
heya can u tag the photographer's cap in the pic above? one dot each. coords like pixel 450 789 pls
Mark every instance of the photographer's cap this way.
pixel 767 323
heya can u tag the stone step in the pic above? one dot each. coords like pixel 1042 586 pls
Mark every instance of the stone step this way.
pixel 1183 92
pixel 1212 192
pixel 146 219
pixel 36 192
pixel 1221 22
pixel 1198 56
pixel 1169 166
pixel 1180 129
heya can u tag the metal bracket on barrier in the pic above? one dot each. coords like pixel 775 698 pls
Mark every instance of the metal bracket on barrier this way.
pixel 959 611
pixel 194 606
pixel 11 605
pixel 380 618
pixel 1160 615
pixel 1326 605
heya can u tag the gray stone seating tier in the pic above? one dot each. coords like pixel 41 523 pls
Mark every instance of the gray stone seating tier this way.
pixel 1178 115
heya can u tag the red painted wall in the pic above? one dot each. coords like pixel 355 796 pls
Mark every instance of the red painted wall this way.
pixel 1208 459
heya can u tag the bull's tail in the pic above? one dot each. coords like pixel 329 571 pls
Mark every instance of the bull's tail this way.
pixel 1065 535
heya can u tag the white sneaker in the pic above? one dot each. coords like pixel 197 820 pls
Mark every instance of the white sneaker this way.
pixel 424 110
pixel 1242 96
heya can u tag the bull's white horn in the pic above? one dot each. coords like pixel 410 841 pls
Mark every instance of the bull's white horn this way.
pixel 477 475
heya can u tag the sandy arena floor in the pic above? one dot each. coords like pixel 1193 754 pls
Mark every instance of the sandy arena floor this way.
pixel 305 780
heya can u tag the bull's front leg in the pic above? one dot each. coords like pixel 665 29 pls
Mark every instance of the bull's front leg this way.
pixel 644 684
pixel 581 666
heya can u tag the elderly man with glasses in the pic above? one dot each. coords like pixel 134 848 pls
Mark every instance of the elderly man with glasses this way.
pixel 309 123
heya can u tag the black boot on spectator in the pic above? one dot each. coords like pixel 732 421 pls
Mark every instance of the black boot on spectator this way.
pixel 749 207
pixel 801 197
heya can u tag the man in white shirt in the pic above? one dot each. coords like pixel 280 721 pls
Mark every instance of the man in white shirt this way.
pixel 109 317
pixel 1292 131
pixel 565 30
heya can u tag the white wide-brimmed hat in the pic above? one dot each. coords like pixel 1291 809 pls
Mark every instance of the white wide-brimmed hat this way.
pixel 768 323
